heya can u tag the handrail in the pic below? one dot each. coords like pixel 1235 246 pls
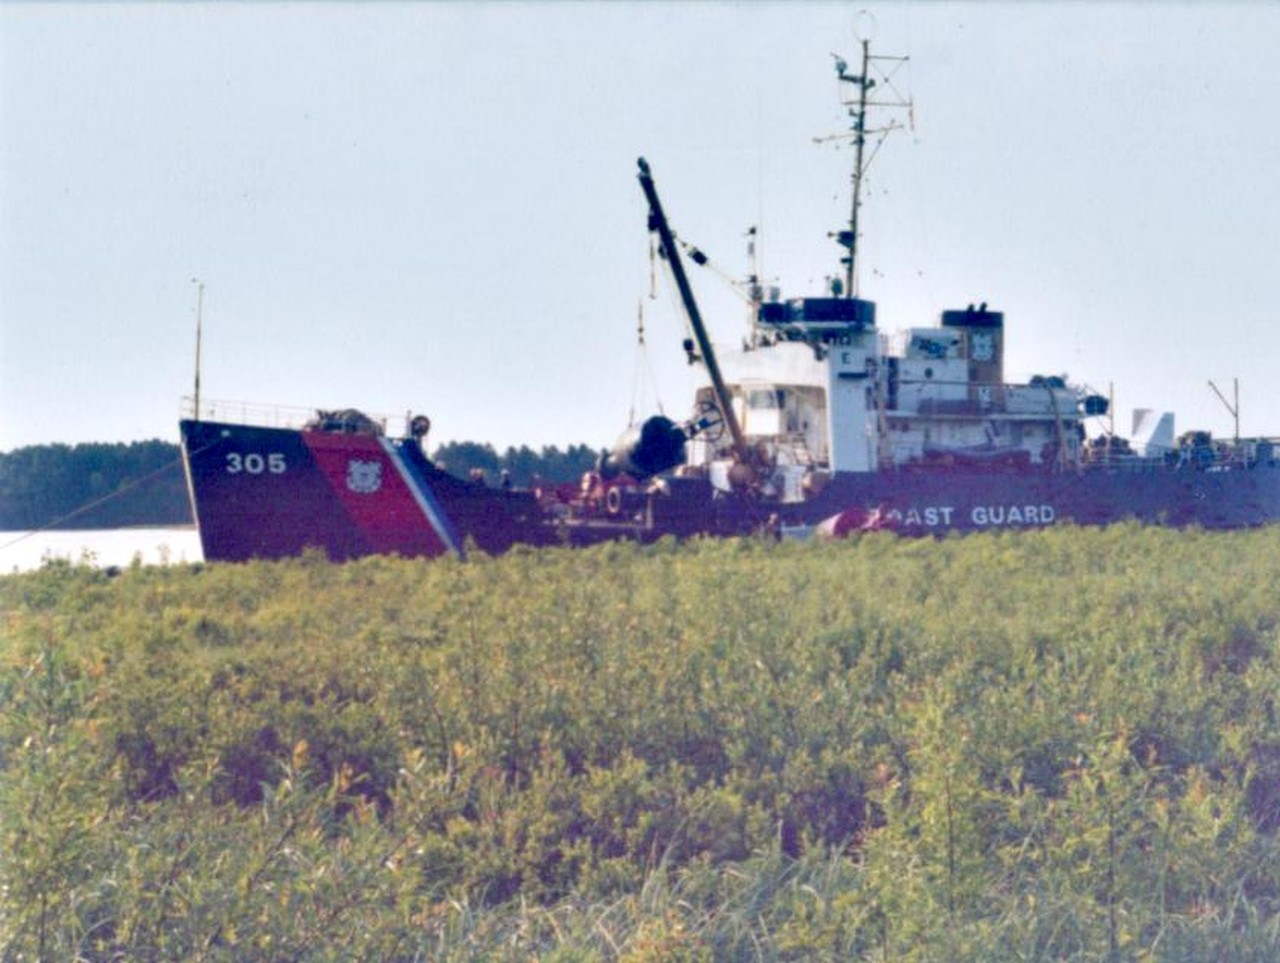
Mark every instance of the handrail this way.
pixel 263 414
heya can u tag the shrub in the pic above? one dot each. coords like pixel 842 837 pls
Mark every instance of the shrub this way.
pixel 1041 745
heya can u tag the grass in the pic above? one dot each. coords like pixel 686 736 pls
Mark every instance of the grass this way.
pixel 1049 745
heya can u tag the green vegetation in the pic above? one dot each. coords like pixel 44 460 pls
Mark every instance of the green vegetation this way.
pixel 142 483
pixel 525 466
pixel 1056 745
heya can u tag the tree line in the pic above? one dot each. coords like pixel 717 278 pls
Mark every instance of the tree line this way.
pixel 111 485
pixel 93 486
pixel 523 465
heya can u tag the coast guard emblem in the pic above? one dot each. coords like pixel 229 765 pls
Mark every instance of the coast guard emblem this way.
pixel 364 477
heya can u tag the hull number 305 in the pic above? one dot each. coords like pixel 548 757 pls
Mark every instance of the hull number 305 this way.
pixel 255 463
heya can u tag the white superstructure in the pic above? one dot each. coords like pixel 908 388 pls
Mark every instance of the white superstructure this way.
pixel 818 390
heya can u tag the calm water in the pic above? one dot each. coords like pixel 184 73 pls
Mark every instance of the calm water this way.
pixel 23 551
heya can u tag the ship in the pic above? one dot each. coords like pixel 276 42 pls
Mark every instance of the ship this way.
pixel 819 425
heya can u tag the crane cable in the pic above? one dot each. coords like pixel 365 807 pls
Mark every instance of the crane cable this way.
pixel 644 373
pixel 699 258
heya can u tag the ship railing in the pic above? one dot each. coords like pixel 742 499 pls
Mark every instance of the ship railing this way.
pixel 1127 463
pixel 1217 456
pixel 266 415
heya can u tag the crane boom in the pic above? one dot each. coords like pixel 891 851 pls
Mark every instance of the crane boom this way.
pixel 658 222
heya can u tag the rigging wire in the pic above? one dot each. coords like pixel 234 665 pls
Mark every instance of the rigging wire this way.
pixel 88 506
pixel 644 367
pixel 645 375
pixel 698 257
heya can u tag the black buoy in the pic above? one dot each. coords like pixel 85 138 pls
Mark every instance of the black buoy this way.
pixel 649 449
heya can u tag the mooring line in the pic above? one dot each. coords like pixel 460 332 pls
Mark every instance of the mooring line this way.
pixel 129 486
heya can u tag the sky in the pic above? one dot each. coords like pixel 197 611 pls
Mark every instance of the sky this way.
pixel 433 206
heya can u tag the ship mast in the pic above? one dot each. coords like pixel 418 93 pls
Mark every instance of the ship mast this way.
pixel 199 319
pixel 863 82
